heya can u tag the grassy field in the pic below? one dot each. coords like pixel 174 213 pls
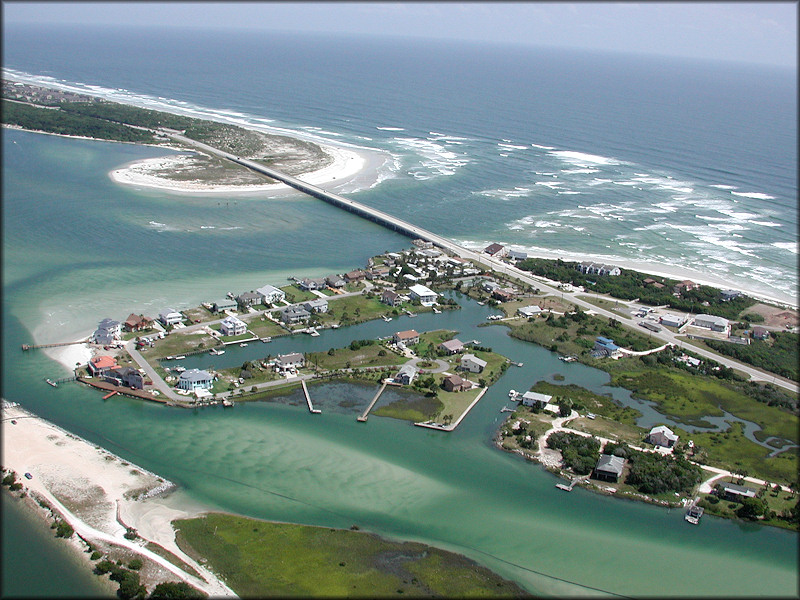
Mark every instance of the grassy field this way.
pixel 179 343
pixel 263 327
pixel 780 502
pixel 295 294
pixel 455 403
pixel 365 356
pixel 354 309
pixel 202 314
pixel 259 559
pixel 595 403
pixel 610 429
pixel 608 305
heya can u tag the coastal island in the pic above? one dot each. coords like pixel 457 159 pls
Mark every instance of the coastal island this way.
pixel 657 347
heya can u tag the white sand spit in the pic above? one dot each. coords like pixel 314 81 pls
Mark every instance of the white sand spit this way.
pixel 96 491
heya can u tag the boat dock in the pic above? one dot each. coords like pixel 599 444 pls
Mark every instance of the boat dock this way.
pixel 55 382
pixel 452 426
pixel 311 409
pixel 568 488
pixel 694 512
pixel 365 414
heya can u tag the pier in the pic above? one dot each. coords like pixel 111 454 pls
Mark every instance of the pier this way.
pixel 452 426
pixel 26 347
pixel 365 414
pixel 568 488
pixel 311 409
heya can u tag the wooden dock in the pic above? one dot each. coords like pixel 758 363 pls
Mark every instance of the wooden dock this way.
pixel 26 347
pixel 568 488
pixel 365 414
pixel 311 409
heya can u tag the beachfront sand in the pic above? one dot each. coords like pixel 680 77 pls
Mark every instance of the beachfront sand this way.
pixel 346 164
pixel 94 490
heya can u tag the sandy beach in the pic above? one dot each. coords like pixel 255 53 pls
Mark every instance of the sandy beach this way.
pixel 346 164
pixel 97 492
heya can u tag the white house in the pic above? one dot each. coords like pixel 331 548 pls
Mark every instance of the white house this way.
pixel 473 364
pixel 529 311
pixel 662 436
pixel 295 360
pixel 405 375
pixel 452 346
pixel 711 322
pixel 232 326
pixel 426 296
pixel 496 250
pixel 271 294
pixel 170 317
pixel 531 398
pixel 672 320
pixel 318 305
pixel 194 379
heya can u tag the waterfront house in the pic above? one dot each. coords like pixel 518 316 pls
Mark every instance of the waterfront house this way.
pixel 733 492
pixel 407 337
pixel 423 294
pixel 310 284
pixel 503 295
pixel 271 294
pixel 170 316
pixel 114 328
pixel 727 295
pixel 223 305
pixel 760 333
pixel 232 326
pixel 453 346
pixel 137 322
pixel 195 378
pixel 294 360
pixel 609 467
pixel 356 275
pixel 455 383
pixel 591 268
pixel 516 256
pixel 318 305
pixel 429 252
pixel 529 311
pixel 473 364
pixel 662 436
pixel 335 281
pixel 294 314
pixel 125 377
pixel 378 273
pixel 712 322
pixel 405 375
pixel 605 347
pixel 246 299
pixel 531 398
pixel 102 337
pixel 390 297
pixel 496 250
pixel 98 365
pixel 420 243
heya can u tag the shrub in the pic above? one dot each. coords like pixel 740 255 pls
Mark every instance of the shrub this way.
pixel 96 554
pixel 135 564
pixel 64 529
pixel 172 590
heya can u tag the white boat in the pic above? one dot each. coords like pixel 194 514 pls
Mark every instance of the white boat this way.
pixel 243 345
pixel 387 319
pixel 179 369
pixel 181 357
pixel 266 340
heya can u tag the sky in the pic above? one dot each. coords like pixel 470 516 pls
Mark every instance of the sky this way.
pixel 754 32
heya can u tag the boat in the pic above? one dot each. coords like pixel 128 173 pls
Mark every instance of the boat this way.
pixel 179 369
pixel 227 403
pixel 243 345
pixel 266 340
pixel 693 514
pixel 181 357
pixel 387 319
pixel 512 393
pixel 481 303
pixel 216 352
pixel 53 383
pixel 436 311
pixel 169 358
pixel 516 364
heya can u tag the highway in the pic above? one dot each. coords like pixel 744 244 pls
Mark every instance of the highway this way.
pixel 412 231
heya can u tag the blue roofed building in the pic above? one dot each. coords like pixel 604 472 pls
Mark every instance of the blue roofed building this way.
pixel 605 347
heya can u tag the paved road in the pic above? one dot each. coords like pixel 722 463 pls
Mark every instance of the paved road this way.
pixel 478 257
pixel 158 382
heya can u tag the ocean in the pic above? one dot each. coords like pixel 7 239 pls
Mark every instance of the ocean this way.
pixel 663 161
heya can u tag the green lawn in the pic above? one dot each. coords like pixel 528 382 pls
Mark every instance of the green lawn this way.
pixel 354 309
pixel 258 559
pixel 455 403
pixel 178 343
pixel 414 407
pixel 617 307
pixel 263 327
pixel 202 314
pixel 595 403
pixel 365 356
pixel 295 294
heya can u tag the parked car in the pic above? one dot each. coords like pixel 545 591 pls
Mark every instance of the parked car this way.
pixel 28 476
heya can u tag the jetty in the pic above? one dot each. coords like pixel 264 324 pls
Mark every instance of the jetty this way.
pixel 55 382
pixel 452 426
pixel 365 414
pixel 311 409
pixel 694 512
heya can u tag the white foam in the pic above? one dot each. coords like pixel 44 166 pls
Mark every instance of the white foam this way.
pixel 790 246
pixel 582 158
pixel 754 195
pixel 390 128
pixel 570 171
pixel 542 147
pixel 766 223
pixel 512 147
pixel 435 158
pixel 720 186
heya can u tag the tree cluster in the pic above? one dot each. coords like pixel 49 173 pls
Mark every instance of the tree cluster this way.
pixel 780 357
pixel 579 452
pixel 652 473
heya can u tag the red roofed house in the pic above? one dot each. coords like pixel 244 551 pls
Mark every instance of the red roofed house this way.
pixel 454 383
pixel 137 322
pixel 407 337
pixel 100 364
